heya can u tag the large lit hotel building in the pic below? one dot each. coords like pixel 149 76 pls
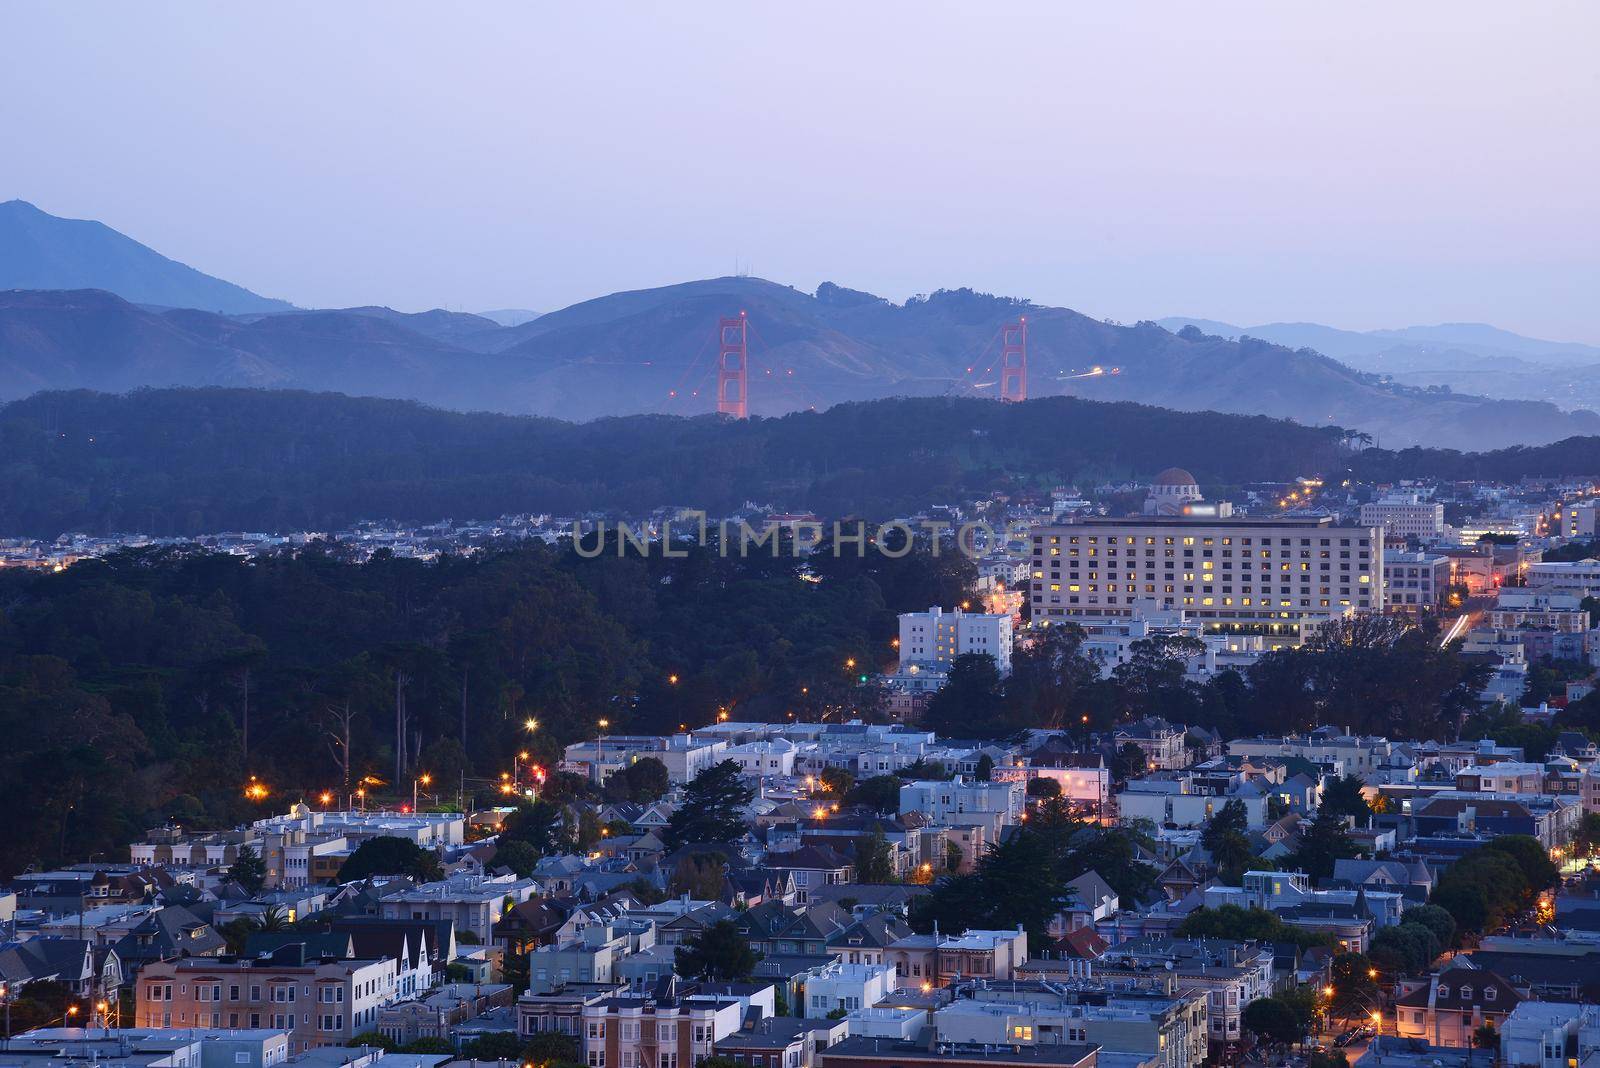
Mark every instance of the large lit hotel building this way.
pixel 1279 577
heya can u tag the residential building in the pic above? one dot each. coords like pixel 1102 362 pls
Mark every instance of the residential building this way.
pixel 1231 974
pixel 933 639
pixel 928 960
pixel 1405 515
pixel 1254 575
pixel 435 1014
pixel 1152 1019
pixel 141 1047
pixel 472 902
pixel 674 1026
pixel 866 1052
pixel 685 755
pixel 1160 741
pixel 1453 1004
pixel 1415 580
pixel 321 1002
pixel 837 985
pixel 1549 1034
pixel 948 800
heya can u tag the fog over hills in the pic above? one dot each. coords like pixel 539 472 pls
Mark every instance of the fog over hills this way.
pixel 1465 357
pixel 653 350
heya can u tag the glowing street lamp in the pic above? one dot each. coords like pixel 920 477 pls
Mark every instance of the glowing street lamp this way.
pixel 424 779
pixel 530 724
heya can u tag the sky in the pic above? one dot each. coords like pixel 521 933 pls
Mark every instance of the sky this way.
pixel 1361 164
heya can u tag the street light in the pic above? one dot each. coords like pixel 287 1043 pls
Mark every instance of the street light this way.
pixel 424 779
pixel 530 724
pixel 600 741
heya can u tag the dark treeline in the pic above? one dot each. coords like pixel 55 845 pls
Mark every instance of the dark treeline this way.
pixel 1578 456
pixel 191 461
pixel 152 684
pixel 1372 675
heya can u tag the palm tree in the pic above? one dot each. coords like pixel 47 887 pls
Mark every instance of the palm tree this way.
pixel 273 918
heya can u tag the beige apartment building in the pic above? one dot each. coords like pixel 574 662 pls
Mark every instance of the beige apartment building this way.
pixel 319 1002
pixel 1273 576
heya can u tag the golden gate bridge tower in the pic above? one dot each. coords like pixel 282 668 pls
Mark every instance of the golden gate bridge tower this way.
pixel 1014 360
pixel 733 367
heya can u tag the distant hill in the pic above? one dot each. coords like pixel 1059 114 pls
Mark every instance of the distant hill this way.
pixel 1351 346
pixel 510 316
pixel 1465 357
pixel 42 251
pixel 653 350
pixel 187 461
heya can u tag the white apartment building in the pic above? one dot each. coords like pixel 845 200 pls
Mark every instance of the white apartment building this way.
pixel 1346 754
pixel 946 801
pixel 1406 515
pixel 1414 580
pixel 934 638
pixel 1579 577
pixel 1264 575
pixel 837 985
pixel 685 755
pixel 1549 1034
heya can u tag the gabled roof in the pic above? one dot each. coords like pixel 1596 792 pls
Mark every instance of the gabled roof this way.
pixel 809 858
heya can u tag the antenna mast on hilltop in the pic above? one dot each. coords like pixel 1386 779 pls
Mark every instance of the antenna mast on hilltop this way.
pixel 1014 360
pixel 733 362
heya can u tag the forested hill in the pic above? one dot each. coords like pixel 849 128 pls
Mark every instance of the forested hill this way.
pixel 188 461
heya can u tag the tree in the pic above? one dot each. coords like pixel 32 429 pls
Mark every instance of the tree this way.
pixel 837 782
pixel 517 855
pixel 700 875
pixel 429 1044
pixel 1272 1020
pixel 1407 948
pixel 541 825
pixel 1541 872
pixel 881 793
pixel 971 703
pixel 388 855
pixel 646 780
pixel 718 953
pixel 1232 818
pixel 1484 1036
pixel 713 807
pixel 874 863
pixel 1245 924
pixel 1043 787
pixel 1354 987
pixel 249 871
pixel 1586 838
pixel 984 770
pixel 1321 845
pixel 1129 763
pixel 374 1039
pixel 1435 919
pixel 1343 797
pixel 272 918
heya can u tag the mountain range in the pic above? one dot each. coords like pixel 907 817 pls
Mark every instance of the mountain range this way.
pixel 1471 357
pixel 43 251
pixel 100 327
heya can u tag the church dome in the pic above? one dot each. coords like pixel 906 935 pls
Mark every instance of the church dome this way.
pixel 1174 476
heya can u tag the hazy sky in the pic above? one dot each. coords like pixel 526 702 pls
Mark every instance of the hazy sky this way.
pixel 1361 164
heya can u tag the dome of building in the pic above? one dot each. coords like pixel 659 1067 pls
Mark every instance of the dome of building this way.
pixel 1174 476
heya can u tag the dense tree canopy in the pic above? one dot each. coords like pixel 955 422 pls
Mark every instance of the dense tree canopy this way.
pixel 154 683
